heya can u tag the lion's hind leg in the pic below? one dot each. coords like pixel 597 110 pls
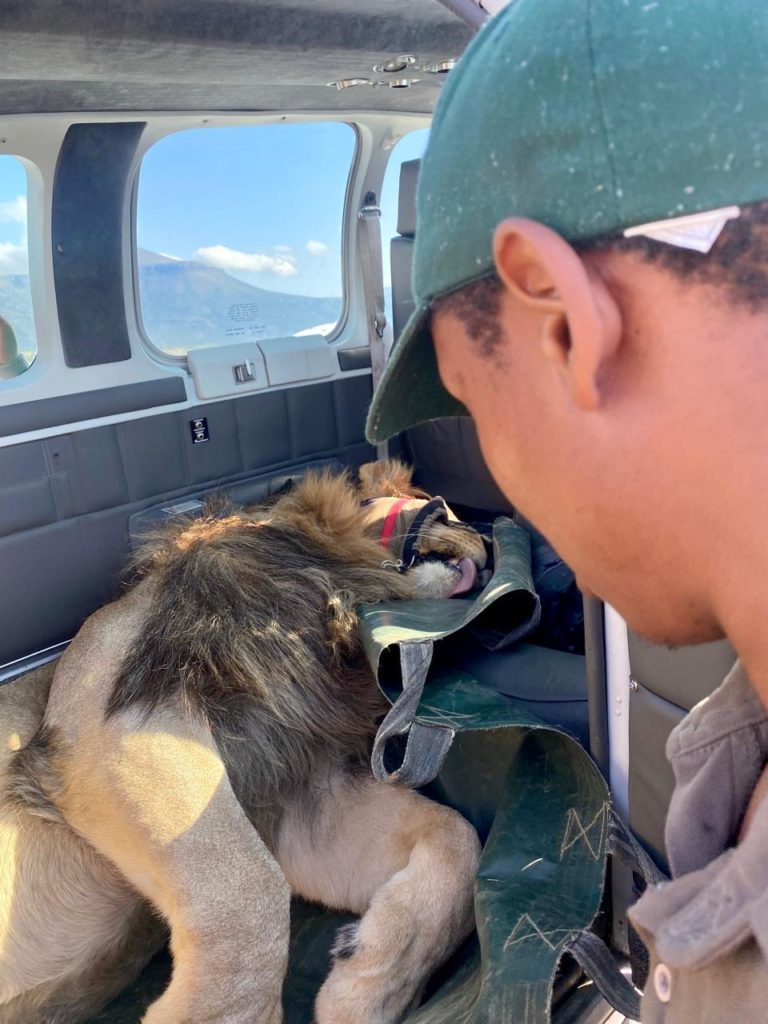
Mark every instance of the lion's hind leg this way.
pixel 160 807
pixel 73 933
pixel 403 862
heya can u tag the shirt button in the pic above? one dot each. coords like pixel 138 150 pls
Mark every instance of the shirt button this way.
pixel 662 983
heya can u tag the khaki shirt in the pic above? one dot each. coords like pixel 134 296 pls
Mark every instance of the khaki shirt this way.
pixel 707 930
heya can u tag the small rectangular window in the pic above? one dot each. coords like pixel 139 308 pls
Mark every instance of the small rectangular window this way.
pixel 239 233
pixel 410 147
pixel 18 341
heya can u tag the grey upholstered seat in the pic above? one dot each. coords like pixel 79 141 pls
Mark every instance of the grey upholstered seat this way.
pixel 444 453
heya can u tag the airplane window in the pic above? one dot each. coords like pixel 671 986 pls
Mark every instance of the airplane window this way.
pixel 239 233
pixel 410 147
pixel 18 341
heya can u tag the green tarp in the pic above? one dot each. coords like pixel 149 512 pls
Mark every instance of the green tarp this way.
pixel 535 797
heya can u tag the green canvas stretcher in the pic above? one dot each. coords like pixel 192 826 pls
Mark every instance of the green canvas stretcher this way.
pixel 537 800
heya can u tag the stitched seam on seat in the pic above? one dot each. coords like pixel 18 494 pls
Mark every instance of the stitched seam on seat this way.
pixel 123 461
pixel 288 405
pixel 52 482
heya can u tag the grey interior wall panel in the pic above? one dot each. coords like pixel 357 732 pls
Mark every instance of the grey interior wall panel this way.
pixel 261 417
pixel 48 582
pixel 312 425
pixel 651 781
pixel 152 455
pixel 669 682
pixel 26 500
pixel 350 407
pixel 222 455
pixel 682 675
pixel 96 459
pixel 44 413
pixel 65 502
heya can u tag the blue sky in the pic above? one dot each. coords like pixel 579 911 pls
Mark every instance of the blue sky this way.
pixel 262 202
pixel 13 216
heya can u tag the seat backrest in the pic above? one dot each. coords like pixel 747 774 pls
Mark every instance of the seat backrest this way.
pixel 401 246
pixel 445 453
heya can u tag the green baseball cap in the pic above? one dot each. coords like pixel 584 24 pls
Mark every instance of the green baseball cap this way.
pixel 591 116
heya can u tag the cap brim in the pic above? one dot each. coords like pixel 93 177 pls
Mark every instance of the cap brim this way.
pixel 410 390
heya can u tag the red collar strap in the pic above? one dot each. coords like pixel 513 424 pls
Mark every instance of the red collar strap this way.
pixel 389 523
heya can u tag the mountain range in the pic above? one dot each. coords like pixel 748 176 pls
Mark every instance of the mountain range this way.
pixel 186 304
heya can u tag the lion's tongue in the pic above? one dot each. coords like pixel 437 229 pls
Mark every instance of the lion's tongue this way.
pixel 468 576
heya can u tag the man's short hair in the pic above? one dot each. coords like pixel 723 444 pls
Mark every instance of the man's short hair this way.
pixel 737 263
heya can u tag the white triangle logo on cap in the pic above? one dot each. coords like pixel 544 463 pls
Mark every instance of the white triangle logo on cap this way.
pixel 493 6
pixel 697 231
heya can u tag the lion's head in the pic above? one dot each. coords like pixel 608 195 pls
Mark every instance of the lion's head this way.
pixel 442 556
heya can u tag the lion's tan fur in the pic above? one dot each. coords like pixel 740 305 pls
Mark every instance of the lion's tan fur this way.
pixel 72 932
pixel 388 478
pixel 152 794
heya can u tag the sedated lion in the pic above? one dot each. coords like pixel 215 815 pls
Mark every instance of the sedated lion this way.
pixel 202 751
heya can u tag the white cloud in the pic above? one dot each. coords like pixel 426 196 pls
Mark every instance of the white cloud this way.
pixel 14 211
pixel 13 254
pixel 316 248
pixel 170 256
pixel 13 258
pixel 323 329
pixel 283 248
pixel 257 262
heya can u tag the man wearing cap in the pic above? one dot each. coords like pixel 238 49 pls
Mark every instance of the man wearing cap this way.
pixel 591 276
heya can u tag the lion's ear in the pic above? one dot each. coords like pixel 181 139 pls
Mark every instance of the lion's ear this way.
pixel 388 478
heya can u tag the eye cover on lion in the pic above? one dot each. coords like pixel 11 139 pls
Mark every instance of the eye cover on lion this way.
pixel 244 630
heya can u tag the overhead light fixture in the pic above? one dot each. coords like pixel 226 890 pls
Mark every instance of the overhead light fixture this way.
pixel 347 83
pixel 442 67
pixel 395 65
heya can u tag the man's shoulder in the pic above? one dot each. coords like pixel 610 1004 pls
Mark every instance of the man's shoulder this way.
pixel 709 926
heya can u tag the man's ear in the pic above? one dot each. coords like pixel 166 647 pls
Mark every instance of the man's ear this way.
pixel 580 322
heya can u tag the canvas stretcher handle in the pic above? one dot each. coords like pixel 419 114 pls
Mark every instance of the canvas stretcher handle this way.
pixel 598 963
pixel 426 745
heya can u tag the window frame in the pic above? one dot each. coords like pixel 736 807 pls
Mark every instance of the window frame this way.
pixel 32 191
pixel 185 123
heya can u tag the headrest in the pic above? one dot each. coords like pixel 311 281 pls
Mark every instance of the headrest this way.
pixel 406 211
